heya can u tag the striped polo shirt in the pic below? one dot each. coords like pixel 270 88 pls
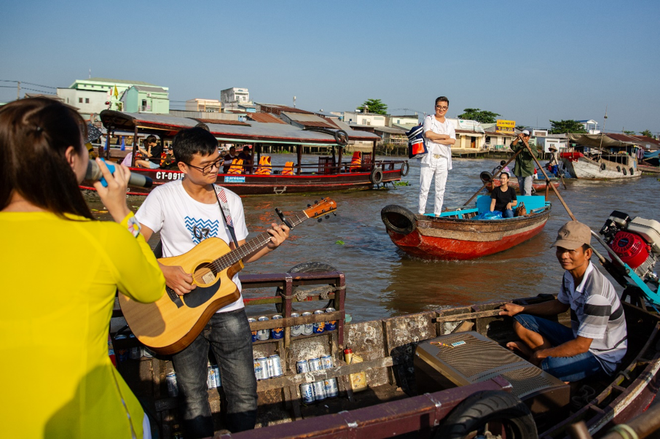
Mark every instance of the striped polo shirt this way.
pixel 596 313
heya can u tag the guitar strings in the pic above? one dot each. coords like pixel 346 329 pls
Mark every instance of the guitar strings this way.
pixel 249 247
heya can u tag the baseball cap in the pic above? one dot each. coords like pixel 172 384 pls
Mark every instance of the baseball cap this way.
pixel 526 132
pixel 572 235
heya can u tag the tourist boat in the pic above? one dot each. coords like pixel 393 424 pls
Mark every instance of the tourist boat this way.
pixel 538 184
pixel 330 173
pixel 458 235
pixel 609 159
pixel 439 373
pixel 412 382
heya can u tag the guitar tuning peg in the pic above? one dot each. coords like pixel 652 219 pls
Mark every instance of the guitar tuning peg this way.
pixel 309 205
pixel 320 219
pixel 327 217
pixel 316 202
pixel 334 214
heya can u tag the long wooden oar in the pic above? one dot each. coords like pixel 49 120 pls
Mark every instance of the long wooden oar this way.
pixel 494 175
pixel 548 180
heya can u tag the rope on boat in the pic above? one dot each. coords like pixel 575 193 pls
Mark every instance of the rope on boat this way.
pixel 323 292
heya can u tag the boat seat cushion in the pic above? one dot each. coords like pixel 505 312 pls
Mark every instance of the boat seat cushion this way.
pixel 532 202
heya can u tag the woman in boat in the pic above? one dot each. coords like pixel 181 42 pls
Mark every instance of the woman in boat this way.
pixel 503 198
pixel 61 270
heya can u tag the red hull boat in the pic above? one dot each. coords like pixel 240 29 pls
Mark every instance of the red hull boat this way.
pixel 458 235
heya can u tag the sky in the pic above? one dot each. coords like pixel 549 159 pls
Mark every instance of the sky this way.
pixel 530 61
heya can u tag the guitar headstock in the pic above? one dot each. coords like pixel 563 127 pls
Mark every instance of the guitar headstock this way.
pixel 320 208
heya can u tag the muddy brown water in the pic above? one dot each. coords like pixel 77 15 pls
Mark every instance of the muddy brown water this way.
pixel 382 281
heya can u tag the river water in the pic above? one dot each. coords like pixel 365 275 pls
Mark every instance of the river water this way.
pixel 382 281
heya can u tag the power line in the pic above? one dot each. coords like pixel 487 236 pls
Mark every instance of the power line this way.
pixel 29 83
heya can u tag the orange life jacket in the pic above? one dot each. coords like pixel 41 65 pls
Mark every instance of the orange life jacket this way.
pixel 236 167
pixel 356 161
pixel 264 167
pixel 288 168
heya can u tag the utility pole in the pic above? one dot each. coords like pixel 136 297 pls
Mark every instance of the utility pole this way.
pixel 18 91
pixel 602 133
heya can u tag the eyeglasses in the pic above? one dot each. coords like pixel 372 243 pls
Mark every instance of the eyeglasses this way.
pixel 441 108
pixel 207 169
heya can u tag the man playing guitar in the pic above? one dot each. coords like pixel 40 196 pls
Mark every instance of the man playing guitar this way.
pixel 186 212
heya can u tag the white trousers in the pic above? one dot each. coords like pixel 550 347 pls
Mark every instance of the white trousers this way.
pixel 438 169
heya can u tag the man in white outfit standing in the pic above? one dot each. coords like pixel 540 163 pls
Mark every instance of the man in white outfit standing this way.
pixel 440 136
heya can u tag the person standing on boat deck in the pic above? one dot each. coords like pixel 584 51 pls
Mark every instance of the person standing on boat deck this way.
pixel 524 168
pixel 597 340
pixel 440 136
pixel 185 212
pixel 503 198
pixel 61 270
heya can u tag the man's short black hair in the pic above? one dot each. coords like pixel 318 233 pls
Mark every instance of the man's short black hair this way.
pixel 442 99
pixel 505 173
pixel 193 141
pixel 151 138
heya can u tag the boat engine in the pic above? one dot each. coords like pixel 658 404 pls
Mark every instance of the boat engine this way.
pixel 636 242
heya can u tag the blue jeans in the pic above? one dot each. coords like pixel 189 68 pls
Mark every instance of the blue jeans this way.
pixel 508 213
pixel 569 369
pixel 228 335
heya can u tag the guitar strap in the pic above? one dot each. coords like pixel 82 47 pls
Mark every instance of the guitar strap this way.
pixel 226 213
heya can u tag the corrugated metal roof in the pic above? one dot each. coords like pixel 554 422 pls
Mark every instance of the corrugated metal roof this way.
pixel 150 89
pixel 265 118
pixel 252 132
pixel 277 109
pixel 390 130
pixel 220 121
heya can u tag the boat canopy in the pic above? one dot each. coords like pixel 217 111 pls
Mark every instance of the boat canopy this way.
pixel 599 140
pixel 234 132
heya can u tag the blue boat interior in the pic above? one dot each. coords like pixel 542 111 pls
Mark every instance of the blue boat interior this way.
pixel 533 203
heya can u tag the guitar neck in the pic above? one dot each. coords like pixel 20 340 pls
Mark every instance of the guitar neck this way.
pixel 251 246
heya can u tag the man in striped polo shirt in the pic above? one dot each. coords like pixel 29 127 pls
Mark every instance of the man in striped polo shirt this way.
pixel 597 340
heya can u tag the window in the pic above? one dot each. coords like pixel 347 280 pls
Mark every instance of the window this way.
pixel 87 100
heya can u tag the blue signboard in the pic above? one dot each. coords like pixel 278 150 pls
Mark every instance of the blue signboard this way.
pixel 234 179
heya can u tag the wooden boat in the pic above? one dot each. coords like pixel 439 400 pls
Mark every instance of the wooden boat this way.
pixel 330 173
pixel 408 391
pixel 609 158
pixel 458 234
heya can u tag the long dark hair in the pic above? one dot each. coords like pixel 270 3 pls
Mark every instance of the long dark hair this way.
pixel 34 136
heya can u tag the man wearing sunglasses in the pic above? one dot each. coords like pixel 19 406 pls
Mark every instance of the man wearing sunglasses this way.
pixel 186 212
pixel 440 136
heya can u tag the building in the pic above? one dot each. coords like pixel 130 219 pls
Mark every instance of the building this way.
pixel 93 95
pixel 406 121
pixel 204 105
pixel 591 126
pixel 367 119
pixel 496 139
pixel 146 99
pixel 237 99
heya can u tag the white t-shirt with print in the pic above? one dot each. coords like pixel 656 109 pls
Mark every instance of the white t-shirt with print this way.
pixel 184 222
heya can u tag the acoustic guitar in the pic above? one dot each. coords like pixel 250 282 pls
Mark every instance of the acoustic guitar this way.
pixel 172 322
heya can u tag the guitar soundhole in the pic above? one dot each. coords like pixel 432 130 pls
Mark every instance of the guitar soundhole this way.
pixel 204 275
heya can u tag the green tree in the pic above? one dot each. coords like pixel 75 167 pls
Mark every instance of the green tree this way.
pixel 373 106
pixel 630 133
pixel 566 126
pixel 647 133
pixel 482 116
